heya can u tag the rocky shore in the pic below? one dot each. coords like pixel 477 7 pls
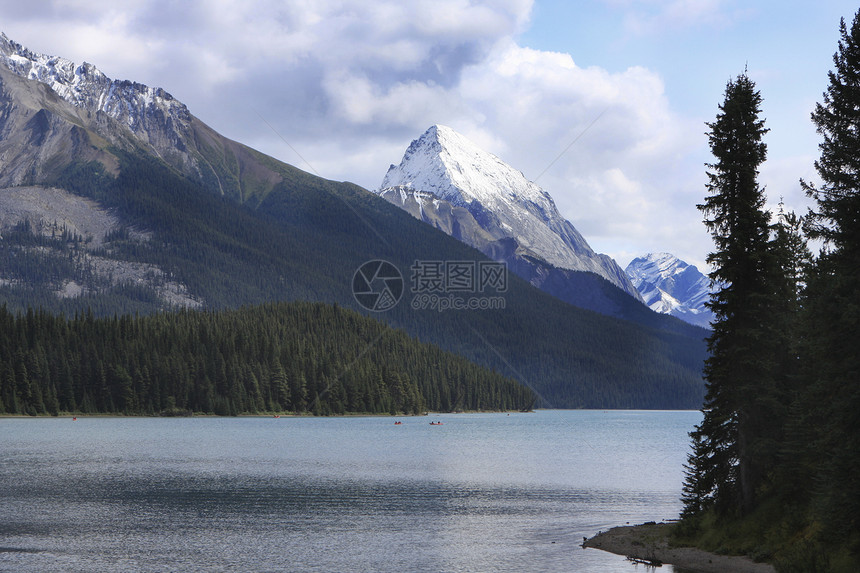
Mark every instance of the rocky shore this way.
pixel 649 543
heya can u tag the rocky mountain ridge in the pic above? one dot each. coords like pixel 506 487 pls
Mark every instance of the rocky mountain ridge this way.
pixel 102 113
pixel 152 114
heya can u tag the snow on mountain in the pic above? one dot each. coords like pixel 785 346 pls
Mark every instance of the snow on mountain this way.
pixel 152 116
pixel 451 167
pixel 670 286
pixel 126 115
pixel 450 182
pixel 85 86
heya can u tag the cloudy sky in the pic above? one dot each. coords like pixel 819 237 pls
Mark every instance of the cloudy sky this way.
pixel 602 102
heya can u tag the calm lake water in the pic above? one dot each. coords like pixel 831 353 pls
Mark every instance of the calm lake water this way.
pixel 481 492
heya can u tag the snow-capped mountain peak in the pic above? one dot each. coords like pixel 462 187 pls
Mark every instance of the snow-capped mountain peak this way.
pixel 145 110
pixel 453 168
pixel 671 286
pixel 447 180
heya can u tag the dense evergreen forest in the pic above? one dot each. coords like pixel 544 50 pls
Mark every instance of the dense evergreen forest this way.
pixel 286 357
pixel 775 462
pixel 305 240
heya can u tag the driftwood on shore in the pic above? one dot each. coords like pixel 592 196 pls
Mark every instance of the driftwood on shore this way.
pixel 649 544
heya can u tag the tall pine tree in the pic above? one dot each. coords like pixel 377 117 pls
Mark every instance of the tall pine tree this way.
pixel 833 298
pixel 725 471
pixel 781 429
pixel 837 119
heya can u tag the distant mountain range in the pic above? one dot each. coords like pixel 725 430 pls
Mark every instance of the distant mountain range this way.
pixel 114 198
pixel 450 183
pixel 671 286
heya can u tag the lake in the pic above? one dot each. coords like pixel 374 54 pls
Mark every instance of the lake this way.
pixel 480 492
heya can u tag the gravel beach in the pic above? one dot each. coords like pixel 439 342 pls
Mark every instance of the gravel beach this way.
pixel 649 542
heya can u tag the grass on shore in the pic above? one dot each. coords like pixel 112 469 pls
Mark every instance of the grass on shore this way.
pixel 775 532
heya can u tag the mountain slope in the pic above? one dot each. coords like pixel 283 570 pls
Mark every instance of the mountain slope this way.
pixel 292 236
pixel 129 116
pixel 449 182
pixel 671 286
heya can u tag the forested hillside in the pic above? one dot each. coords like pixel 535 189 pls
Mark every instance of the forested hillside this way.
pixel 306 239
pixel 296 357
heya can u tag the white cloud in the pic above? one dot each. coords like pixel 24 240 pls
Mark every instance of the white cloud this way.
pixel 621 179
pixel 651 17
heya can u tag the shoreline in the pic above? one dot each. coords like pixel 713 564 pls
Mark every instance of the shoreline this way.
pixel 67 415
pixel 649 543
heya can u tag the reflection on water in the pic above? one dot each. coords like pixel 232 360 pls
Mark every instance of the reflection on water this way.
pixel 479 493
